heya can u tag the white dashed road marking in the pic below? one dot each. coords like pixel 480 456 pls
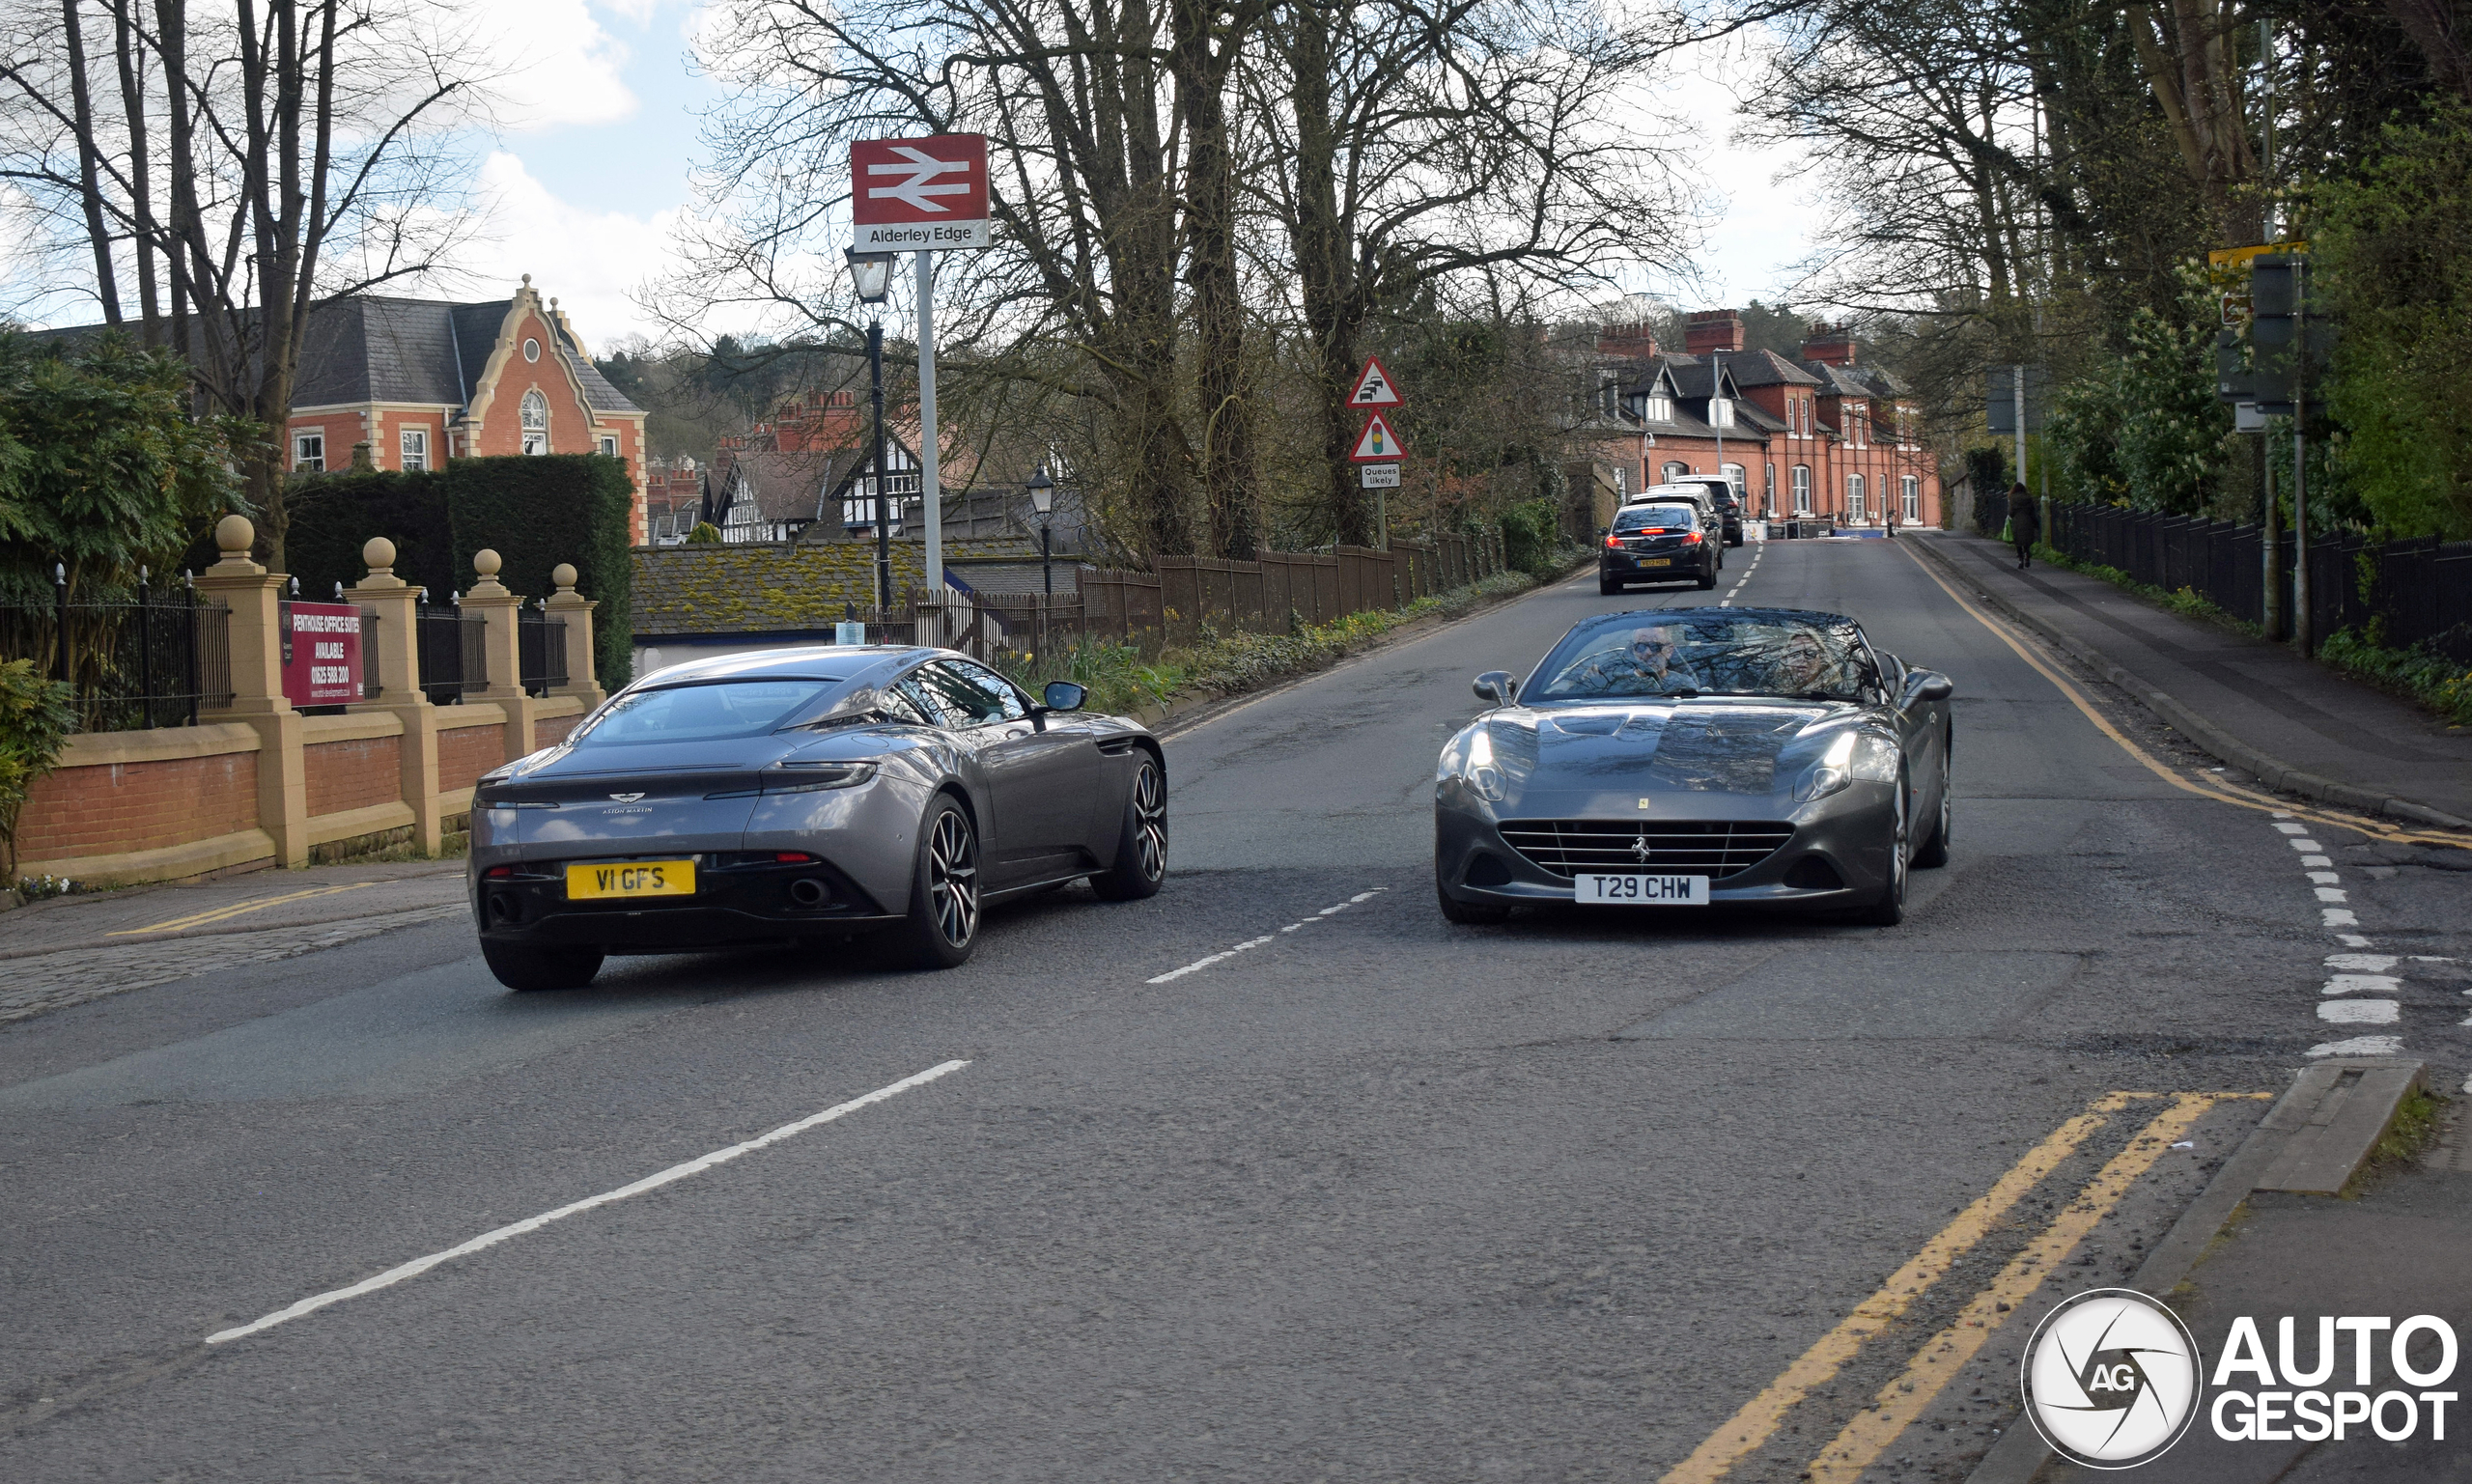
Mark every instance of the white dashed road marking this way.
pixel 1199 965
pixel 676 1172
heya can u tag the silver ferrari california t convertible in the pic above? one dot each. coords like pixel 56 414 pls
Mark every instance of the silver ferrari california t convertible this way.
pixel 1677 757
pixel 807 796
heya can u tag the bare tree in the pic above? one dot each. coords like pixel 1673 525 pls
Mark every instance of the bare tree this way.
pixel 301 150
pixel 1409 142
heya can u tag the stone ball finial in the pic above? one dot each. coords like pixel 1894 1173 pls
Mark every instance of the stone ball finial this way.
pixel 233 535
pixel 528 280
pixel 564 576
pixel 486 562
pixel 378 554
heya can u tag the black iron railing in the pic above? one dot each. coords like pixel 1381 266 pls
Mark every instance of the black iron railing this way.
pixel 155 660
pixel 453 652
pixel 2417 591
pixel 541 644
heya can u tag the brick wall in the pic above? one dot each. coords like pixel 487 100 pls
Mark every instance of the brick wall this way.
pixel 550 731
pixel 466 753
pixel 138 806
pixel 353 775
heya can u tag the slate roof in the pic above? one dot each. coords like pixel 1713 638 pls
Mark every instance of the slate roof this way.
pixel 783 486
pixel 1766 368
pixel 370 347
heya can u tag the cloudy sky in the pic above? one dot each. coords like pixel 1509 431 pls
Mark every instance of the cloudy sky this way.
pixel 588 176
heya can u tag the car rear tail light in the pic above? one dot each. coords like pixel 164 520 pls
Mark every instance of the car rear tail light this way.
pixel 495 872
pixel 1690 538
pixel 793 857
pixel 1612 542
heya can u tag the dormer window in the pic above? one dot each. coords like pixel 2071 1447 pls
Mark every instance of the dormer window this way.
pixel 1721 411
pixel 1658 407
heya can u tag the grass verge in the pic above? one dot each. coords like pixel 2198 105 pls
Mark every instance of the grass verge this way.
pixel 2417 674
pixel 1223 665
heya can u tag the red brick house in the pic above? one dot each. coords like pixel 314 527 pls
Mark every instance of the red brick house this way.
pixel 421 381
pixel 1817 435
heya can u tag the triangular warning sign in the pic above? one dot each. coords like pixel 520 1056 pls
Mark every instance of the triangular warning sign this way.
pixel 1377 443
pixel 1374 387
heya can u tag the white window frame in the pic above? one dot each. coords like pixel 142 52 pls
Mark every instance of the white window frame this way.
pixel 1853 497
pixel 1673 471
pixel 1621 481
pixel 412 448
pixel 536 433
pixel 609 445
pixel 1659 409
pixel 1912 496
pixel 309 452
pixel 1721 411
pixel 1802 476
pixel 1734 473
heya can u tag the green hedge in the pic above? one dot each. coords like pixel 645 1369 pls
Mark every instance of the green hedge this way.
pixel 334 515
pixel 534 512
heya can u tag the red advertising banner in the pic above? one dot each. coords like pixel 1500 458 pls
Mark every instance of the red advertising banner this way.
pixel 321 653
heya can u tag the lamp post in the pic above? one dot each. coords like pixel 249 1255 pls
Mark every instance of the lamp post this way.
pixel 871 273
pixel 1043 500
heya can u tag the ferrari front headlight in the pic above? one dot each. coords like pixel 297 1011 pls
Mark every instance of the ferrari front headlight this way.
pixel 1863 757
pixel 1481 773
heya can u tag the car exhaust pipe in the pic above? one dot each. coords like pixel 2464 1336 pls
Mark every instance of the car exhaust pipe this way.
pixel 503 908
pixel 807 891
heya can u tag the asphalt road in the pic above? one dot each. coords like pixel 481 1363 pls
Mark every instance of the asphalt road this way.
pixel 1375 1198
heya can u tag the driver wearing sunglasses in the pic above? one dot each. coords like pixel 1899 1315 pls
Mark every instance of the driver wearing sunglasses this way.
pixel 1650 665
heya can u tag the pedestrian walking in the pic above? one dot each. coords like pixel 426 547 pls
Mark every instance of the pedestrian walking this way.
pixel 2025 524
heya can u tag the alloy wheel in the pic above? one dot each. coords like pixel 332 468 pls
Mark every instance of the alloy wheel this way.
pixel 952 877
pixel 1150 821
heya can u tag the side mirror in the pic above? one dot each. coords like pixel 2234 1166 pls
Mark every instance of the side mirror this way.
pixel 1928 686
pixel 1496 687
pixel 1605 530
pixel 1064 696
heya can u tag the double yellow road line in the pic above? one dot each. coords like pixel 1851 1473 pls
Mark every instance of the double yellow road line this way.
pixel 1942 1356
pixel 212 916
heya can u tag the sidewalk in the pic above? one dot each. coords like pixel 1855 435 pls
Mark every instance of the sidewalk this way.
pixel 67 950
pixel 2296 724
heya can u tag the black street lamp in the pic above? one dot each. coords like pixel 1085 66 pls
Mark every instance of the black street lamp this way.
pixel 1043 500
pixel 871 273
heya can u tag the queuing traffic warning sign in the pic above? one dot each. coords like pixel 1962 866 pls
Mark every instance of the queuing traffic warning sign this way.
pixel 1377 443
pixel 1374 387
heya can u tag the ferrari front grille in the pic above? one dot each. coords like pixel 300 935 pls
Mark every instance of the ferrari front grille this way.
pixel 1714 848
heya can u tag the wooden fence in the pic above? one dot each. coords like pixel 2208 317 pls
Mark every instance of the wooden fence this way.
pixel 1184 596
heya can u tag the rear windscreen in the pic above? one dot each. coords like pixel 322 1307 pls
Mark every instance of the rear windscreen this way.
pixel 707 713
pixel 1647 517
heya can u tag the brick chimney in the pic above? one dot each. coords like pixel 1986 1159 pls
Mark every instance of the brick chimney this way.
pixel 1711 330
pixel 1625 342
pixel 1830 344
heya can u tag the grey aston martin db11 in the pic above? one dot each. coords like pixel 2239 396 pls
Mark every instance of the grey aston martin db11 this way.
pixel 1756 757
pixel 807 796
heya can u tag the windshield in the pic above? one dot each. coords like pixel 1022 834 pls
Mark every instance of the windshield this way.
pixel 724 708
pixel 1750 653
pixel 1651 518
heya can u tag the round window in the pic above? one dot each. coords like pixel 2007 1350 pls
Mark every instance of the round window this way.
pixel 532 349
